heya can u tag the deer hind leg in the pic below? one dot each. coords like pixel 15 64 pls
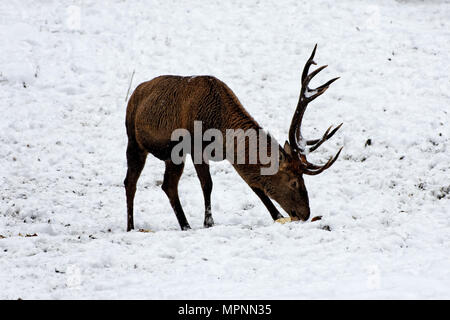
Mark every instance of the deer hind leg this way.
pixel 170 187
pixel 136 161
pixel 205 180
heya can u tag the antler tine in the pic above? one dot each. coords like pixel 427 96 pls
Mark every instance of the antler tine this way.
pixel 308 78
pixel 308 64
pixel 316 143
pixel 319 90
pixel 324 167
pixel 326 85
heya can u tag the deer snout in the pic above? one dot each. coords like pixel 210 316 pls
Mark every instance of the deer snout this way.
pixel 306 216
pixel 301 215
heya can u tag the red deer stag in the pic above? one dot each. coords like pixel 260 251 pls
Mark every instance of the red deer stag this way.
pixel 158 107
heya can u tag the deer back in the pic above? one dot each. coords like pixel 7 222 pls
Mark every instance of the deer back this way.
pixel 159 106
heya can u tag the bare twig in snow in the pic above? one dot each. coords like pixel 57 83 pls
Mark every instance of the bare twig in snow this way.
pixel 129 87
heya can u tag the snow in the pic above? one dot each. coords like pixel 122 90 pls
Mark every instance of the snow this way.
pixel 65 69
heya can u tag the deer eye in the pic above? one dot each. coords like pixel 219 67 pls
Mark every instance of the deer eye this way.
pixel 294 184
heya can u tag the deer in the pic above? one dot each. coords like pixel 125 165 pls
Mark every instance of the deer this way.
pixel 159 106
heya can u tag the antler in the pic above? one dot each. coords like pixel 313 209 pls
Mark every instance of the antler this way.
pixel 317 142
pixel 296 141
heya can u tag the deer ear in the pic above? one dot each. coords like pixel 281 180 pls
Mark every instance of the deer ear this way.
pixel 287 148
pixel 282 156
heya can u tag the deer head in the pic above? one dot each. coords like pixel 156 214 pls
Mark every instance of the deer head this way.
pixel 293 163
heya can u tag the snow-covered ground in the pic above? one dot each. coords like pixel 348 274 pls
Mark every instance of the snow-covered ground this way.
pixel 65 67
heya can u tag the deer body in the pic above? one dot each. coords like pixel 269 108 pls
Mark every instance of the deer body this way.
pixel 166 103
pixel 159 106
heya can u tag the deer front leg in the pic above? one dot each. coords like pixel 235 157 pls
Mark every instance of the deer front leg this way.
pixel 205 180
pixel 268 203
pixel 170 187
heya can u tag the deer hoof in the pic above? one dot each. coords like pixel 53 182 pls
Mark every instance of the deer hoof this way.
pixel 186 227
pixel 209 222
